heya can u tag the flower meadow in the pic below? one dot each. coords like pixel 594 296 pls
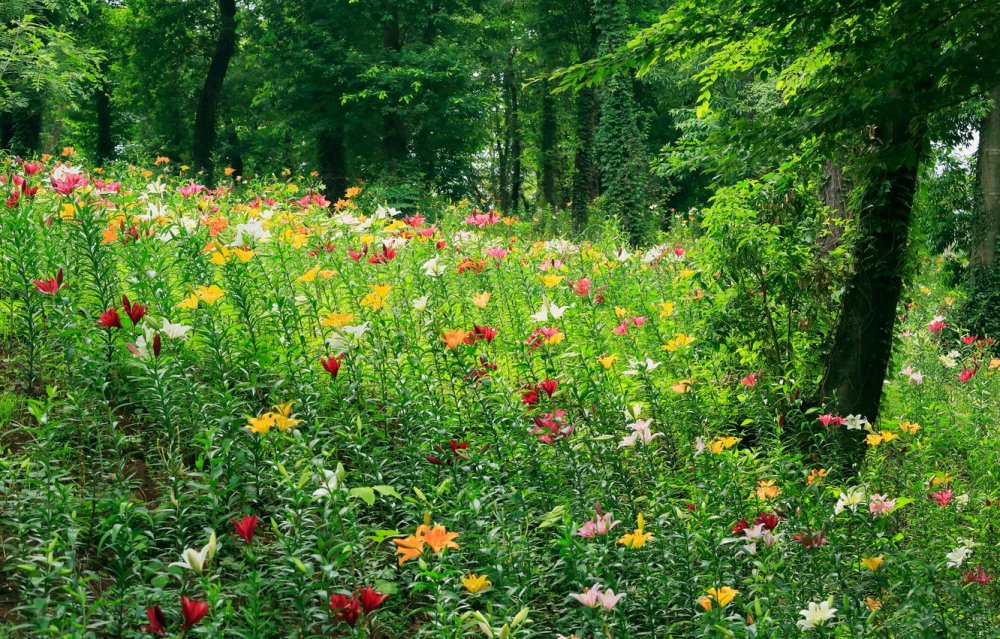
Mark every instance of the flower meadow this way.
pixel 250 411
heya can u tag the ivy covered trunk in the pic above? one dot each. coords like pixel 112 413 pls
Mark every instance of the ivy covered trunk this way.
pixel 859 356
pixel 981 312
pixel 211 92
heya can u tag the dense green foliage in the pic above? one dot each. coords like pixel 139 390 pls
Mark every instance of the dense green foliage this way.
pixel 346 374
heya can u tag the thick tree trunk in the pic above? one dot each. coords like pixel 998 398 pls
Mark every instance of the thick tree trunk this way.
pixel 332 161
pixel 21 128
pixel 547 148
pixel 859 357
pixel 211 92
pixel 983 251
pixel 102 105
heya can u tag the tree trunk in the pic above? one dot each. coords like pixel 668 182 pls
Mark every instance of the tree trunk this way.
pixel 548 145
pixel 211 92
pixel 21 128
pixel 514 133
pixel 859 357
pixel 102 105
pixel 394 135
pixel 983 251
pixel 332 161
pixel 585 181
pixel 836 195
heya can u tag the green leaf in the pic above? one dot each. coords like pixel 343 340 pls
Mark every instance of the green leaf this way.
pixel 364 493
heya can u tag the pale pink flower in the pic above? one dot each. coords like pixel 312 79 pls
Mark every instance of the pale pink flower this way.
pixel 881 504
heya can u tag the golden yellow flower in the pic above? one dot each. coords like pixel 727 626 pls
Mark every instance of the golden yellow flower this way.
pixel 621 311
pixel 678 342
pixel 945 478
pixel 476 584
pixel 189 302
pixel 555 338
pixel 720 444
pixel 666 309
pixel 67 212
pixel 229 170
pixel 310 275
pixel 872 563
pixel 367 238
pixel 353 191
pixel 337 320
pixel 723 596
pixel 639 537
pixel 209 294
pixel 244 255
pixel 874 439
pixel 261 424
pixel 607 361
pixel 873 604
pixel 548 281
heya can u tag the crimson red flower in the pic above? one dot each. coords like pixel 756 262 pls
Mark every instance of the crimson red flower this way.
pixel 811 539
pixel 370 599
pixel 355 255
pixel 548 386
pixel 110 319
pixel 332 364
pixel 51 285
pixel 432 459
pixel 347 609
pixel 740 526
pixel 967 374
pixel 770 520
pixel 30 168
pixel 29 191
pixel 157 621
pixel 157 344
pixel 976 575
pixel 485 333
pixel 193 611
pixel 135 311
pixel 530 396
pixel 246 527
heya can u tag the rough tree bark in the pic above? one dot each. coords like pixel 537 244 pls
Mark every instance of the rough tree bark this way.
pixel 211 92
pixel 983 251
pixel 862 343
pixel 513 197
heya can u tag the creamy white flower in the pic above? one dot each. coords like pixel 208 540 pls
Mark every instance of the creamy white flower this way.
pixel 647 365
pixel 433 267
pixel 817 614
pixel 175 331
pixel 622 255
pixel 549 309
pixel 198 560
pixel 330 482
pixel 855 422
pixel 156 188
pixel 849 499
pixel 144 342
pixel 420 303
pixel 958 556
pixel 252 229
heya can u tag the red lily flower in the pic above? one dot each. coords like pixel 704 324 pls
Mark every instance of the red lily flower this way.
pixel 347 609
pixel 332 364
pixel 157 344
pixel 485 333
pixel 246 527
pixel 193 611
pixel 548 386
pixel 770 520
pixel 976 575
pixel 110 319
pixel 581 287
pixel 51 285
pixel 530 396
pixel 371 599
pixel 135 311
pixel 30 168
pixel 943 497
pixel 740 526
pixel 811 539
pixel 157 621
